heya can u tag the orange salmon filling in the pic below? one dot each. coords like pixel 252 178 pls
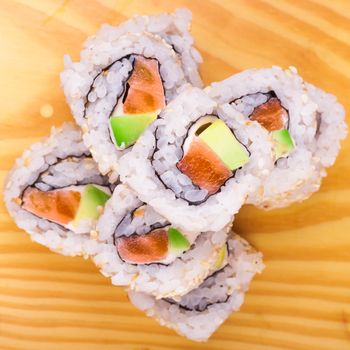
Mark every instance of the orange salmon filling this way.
pixel 146 93
pixel 59 206
pixel 271 115
pixel 204 167
pixel 144 249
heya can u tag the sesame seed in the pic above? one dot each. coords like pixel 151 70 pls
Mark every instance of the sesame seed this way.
pixel 85 128
pixel 17 200
pixel 304 98
pixel 139 212
pixel 27 161
pixel 293 69
pixel 93 234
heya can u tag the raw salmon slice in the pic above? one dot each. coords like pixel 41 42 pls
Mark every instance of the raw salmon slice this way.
pixel 144 249
pixel 146 92
pixel 59 206
pixel 204 167
pixel 271 115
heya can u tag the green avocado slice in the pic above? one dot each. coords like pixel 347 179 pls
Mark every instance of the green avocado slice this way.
pixel 222 141
pixel 221 257
pixel 284 143
pixel 91 199
pixel 177 240
pixel 128 128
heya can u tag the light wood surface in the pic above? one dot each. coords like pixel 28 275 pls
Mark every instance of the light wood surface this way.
pixel 301 301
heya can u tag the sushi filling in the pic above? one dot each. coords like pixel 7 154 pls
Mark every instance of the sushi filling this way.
pixel 267 110
pixel 75 207
pixel 142 99
pixel 211 154
pixel 70 193
pixel 137 83
pixel 142 237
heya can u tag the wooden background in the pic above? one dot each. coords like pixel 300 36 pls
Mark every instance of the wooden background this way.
pixel 301 301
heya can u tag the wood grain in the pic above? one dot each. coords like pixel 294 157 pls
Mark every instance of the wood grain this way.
pixel 301 301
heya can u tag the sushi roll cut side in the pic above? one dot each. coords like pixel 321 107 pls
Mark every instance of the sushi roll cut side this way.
pixel 194 159
pixel 139 248
pixel 124 79
pixel 281 103
pixel 140 235
pixel 75 207
pixel 200 312
pixel 56 193
pixel 126 97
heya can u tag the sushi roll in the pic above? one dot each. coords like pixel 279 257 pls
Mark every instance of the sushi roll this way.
pixel 197 164
pixel 139 248
pixel 200 312
pixel 281 103
pixel 125 77
pixel 56 193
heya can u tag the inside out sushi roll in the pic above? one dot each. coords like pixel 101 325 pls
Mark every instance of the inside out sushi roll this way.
pixel 197 164
pixel 279 101
pixel 200 312
pixel 56 193
pixel 125 77
pixel 139 248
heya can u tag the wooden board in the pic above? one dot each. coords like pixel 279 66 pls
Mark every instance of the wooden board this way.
pixel 301 301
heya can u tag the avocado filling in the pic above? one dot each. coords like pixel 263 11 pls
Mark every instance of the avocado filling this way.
pixel 161 245
pixel 91 205
pixel 222 258
pixel 223 142
pixel 211 154
pixel 140 104
pixel 127 129
pixel 283 143
pixel 75 207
